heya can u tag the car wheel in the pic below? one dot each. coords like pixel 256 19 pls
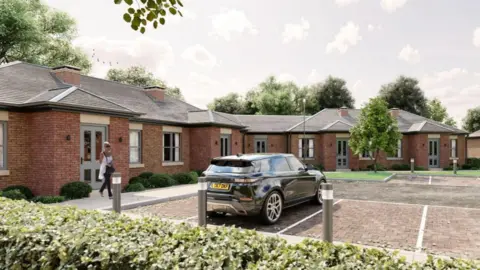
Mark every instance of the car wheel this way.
pixel 272 208
pixel 318 199
pixel 216 214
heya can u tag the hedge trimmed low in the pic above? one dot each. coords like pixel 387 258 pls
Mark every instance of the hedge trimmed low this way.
pixel 160 180
pixel 135 187
pixel 23 189
pixel 75 190
pixel 35 236
pixel 14 194
pixel 146 175
pixel 183 178
pixel 48 199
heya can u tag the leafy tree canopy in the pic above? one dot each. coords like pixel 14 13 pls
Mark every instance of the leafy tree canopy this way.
pixel 405 94
pixel 438 112
pixel 333 93
pixel 376 131
pixel 33 32
pixel 231 103
pixel 471 122
pixel 139 76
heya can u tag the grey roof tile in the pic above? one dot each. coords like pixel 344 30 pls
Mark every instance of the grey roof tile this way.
pixel 475 134
pixel 83 98
pixel 268 123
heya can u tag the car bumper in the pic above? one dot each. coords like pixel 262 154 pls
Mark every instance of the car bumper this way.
pixel 228 204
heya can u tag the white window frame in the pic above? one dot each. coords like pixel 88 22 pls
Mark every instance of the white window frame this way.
pixel 3 145
pixel 453 149
pixel 398 153
pixel 309 150
pixel 138 147
pixel 175 137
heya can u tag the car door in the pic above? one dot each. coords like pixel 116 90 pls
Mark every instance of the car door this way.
pixel 287 177
pixel 305 179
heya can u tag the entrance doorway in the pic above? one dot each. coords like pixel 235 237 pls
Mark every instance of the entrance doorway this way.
pixel 433 153
pixel 342 154
pixel 91 144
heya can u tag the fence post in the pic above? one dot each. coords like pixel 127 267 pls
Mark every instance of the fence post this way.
pixel 412 165
pixel 202 201
pixel 454 166
pixel 327 196
pixel 117 189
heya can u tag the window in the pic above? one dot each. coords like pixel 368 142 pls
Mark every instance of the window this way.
pixel 3 145
pixel 260 146
pixel 295 164
pixel 135 146
pixel 225 148
pixel 305 148
pixel 279 164
pixel 453 148
pixel 171 147
pixel 398 152
pixel 365 154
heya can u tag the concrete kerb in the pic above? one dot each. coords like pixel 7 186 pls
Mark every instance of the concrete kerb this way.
pixel 436 175
pixel 388 178
pixel 151 201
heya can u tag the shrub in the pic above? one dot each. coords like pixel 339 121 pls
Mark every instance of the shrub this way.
pixel 319 167
pixel 467 166
pixel 146 175
pixel 419 168
pixel 75 190
pixel 199 172
pixel 183 178
pixel 14 194
pixel 380 167
pixel 194 177
pixel 48 199
pixel 161 180
pixel 23 189
pixel 46 237
pixel 474 162
pixel 135 179
pixel 449 168
pixel 134 187
pixel 401 167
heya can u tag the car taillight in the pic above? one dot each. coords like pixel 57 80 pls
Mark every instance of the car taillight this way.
pixel 245 180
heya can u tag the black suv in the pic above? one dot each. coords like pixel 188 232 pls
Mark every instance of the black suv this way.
pixel 260 184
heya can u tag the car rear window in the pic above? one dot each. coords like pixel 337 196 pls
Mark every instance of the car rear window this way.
pixel 231 166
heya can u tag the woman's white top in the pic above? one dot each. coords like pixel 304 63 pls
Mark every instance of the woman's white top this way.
pixel 103 166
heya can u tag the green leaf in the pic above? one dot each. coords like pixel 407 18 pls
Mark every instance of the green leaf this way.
pixel 172 10
pixel 129 2
pixel 150 16
pixel 179 12
pixel 155 24
pixel 144 22
pixel 173 2
pixel 136 21
pixel 163 12
pixel 117 1
pixel 162 21
pixel 151 4
pixel 134 27
pixel 127 17
pixel 131 10
pixel 143 1
pixel 142 30
pixel 180 3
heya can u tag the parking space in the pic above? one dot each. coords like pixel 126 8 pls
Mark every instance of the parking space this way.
pixel 436 180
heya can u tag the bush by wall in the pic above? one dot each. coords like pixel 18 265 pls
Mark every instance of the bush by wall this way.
pixel 14 194
pixel 145 175
pixel 135 187
pixel 23 189
pixel 419 168
pixel 161 180
pixel 194 177
pixel 401 167
pixel 474 163
pixel 75 190
pixel 183 178
pixel 46 237
pixel 380 167
pixel 319 167
pixel 48 199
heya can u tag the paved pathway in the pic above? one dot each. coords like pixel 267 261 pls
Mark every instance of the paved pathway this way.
pixel 135 199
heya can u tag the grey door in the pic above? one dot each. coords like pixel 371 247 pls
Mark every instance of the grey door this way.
pixel 225 145
pixel 91 143
pixel 260 145
pixel 433 153
pixel 342 154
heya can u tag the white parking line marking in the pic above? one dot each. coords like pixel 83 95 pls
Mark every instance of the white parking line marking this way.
pixel 190 218
pixel 430 180
pixel 303 220
pixel 421 230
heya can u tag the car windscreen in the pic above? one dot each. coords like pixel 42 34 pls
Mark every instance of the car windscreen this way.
pixel 231 166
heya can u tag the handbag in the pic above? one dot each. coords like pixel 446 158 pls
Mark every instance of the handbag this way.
pixel 109 169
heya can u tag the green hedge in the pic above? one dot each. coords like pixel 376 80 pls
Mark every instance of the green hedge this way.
pixel 135 187
pixel 14 194
pixel 75 190
pixel 23 189
pixel 183 178
pixel 48 199
pixel 474 163
pixel 401 167
pixel 35 236
pixel 161 180
pixel 145 175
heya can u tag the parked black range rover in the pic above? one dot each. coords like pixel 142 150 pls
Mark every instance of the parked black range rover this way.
pixel 260 184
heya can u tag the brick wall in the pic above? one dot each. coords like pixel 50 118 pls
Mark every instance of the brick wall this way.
pixel 119 128
pixel 388 162
pixel 473 150
pixel 275 143
pixel 329 151
pixel 445 150
pixel 419 149
pixel 237 141
pixel 462 148
pixel 201 147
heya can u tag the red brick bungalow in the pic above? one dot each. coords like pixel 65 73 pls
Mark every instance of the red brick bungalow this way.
pixel 53 122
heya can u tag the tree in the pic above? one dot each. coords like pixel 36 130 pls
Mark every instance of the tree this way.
pixel 333 93
pixel 139 76
pixel 471 122
pixel 149 11
pixel 231 103
pixel 404 93
pixel 309 94
pixel 438 112
pixel 375 131
pixel 31 31
pixel 276 97
pixel 249 106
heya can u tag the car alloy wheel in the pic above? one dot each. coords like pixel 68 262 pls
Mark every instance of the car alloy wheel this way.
pixel 318 199
pixel 273 208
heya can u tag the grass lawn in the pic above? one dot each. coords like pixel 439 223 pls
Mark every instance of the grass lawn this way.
pixel 357 175
pixel 474 173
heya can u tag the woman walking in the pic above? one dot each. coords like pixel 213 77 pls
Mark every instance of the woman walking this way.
pixel 106 168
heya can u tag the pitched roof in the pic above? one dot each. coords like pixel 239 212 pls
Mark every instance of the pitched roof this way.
pixel 268 123
pixel 209 117
pixel 475 134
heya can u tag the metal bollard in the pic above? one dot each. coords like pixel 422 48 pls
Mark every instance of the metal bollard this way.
pixel 412 165
pixel 117 190
pixel 454 166
pixel 202 201
pixel 327 195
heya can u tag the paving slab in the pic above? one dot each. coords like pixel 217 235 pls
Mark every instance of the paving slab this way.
pixel 438 180
pixel 386 225
pixel 453 232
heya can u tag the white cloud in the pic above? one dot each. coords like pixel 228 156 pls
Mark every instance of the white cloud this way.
pixel 372 27
pixel 231 22
pixel 286 77
pixel 201 80
pixel 347 36
pixel 314 76
pixel 200 56
pixel 342 3
pixel 476 37
pixel 409 54
pixel 392 5
pixel 295 31
pixel 156 56
pixel 440 78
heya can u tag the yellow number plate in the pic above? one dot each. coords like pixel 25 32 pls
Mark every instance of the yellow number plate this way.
pixel 221 186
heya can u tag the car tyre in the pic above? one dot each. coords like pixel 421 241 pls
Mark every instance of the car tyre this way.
pixel 272 208
pixel 318 195
pixel 216 214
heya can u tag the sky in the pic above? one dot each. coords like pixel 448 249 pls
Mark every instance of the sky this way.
pixel 223 46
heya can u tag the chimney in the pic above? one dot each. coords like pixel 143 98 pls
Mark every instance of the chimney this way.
pixel 394 112
pixel 68 74
pixel 343 111
pixel 156 92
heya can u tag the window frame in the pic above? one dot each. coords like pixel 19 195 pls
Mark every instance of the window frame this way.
pixel 4 145
pixel 399 152
pixel 172 148
pixel 453 150
pixel 139 132
pixel 302 149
